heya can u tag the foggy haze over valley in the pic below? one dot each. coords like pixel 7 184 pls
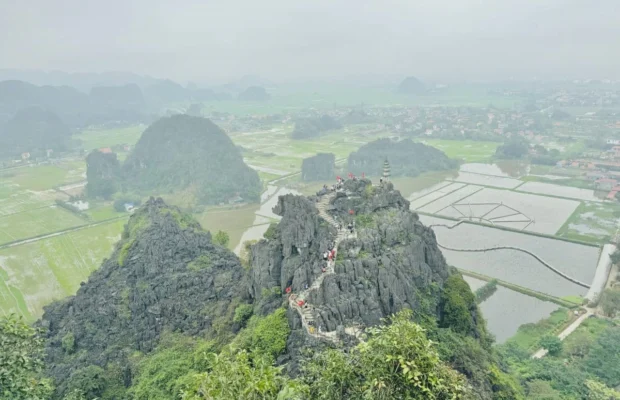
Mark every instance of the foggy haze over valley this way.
pixel 212 42
pixel 310 200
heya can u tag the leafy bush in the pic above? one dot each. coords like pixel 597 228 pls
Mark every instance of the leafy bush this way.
pixel 271 232
pixel 200 263
pixel 265 336
pixel 221 238
pixel 364 220
pixel 68 343
pixel 486 291
pixel 457 305
pixel 610 301
pixel 21 361
pixel 397 362
pixel 242 313
pixel 551 343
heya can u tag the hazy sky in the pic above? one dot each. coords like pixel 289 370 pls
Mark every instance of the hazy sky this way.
pixel 208 40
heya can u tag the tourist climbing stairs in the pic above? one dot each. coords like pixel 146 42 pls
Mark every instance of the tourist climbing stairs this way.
pixel 298 301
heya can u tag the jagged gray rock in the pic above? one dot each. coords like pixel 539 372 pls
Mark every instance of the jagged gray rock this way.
pixel 165 274
pixel 390 265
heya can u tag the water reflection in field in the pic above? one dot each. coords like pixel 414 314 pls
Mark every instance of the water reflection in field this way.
pixel 506 310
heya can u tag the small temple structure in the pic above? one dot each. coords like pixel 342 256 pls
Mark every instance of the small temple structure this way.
pixel 386 170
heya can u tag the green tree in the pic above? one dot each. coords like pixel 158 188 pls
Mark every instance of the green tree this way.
pixel 90 381
pixel 397 362
pixel 236 375
pixel 542 390
pixel 551 343
pixel 21 362
pixel 604 358
pixel 221 238
pixel 458 304
pixel 598 391
pixel 68 343
pixel 610 301
pixel 514 147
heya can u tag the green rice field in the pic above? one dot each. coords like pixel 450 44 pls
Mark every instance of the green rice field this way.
pixel 34 274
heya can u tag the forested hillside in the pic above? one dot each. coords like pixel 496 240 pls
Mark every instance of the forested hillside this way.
pixel 406 158
pixel 185 152
pixel 33 130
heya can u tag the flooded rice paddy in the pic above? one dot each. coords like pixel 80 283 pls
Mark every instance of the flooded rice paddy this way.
pixel 575 260
pixel 506 310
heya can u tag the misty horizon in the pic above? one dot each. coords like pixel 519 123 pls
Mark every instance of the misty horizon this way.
pixel 441 41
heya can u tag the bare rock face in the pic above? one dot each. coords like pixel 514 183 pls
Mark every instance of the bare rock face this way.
pixel 392 263
pixel 165 274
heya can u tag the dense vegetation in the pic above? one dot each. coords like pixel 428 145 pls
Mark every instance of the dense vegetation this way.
pixel 307 128
pixel 117 104
pixel 33 130
pixel 163 259
pixel 318 168
pixel 406 158
pixel 185 152
pixel 585 366
pixel 103 172
pixel 514 147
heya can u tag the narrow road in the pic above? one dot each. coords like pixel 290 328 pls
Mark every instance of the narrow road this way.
pixel 567 331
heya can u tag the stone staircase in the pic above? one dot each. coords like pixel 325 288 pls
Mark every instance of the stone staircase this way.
pixel 306 311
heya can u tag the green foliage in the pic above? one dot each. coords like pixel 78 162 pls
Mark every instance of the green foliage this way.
pixel 184 220
pixel 615 257
pixel 163 374
pixel 552 344
pixel 406 158
pixel 184 152
pixel 21 361
pixel 103 173
pixel 271 292
pixel 364 220
pixel 504 386
pixel 242 313
pixel 221 238
pixel 598 391
pixel 457 305
pixel 236 375
pixel 90 381
pixel 33 130
pixel 514 147
pixel 265 336
pixel 320 167
pixel 201 263
pixel 307 128
pixel 68 343
pixel 542 390
pixel 124 252
pixel 397 362
pixel 610 301
pixel 486 291
pixel 603 360
pixel 271 232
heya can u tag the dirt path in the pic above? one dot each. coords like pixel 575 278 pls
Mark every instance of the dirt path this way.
pixel 567 331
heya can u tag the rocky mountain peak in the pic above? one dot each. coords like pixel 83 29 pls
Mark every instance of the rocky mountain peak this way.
pixel 388 261
pixel 165 274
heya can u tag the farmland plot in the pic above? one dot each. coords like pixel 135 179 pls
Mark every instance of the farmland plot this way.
pixel 575 260
pixel 559 190
pixel 36 222
pixel 34 274
pixel 548 214
pixel 487 180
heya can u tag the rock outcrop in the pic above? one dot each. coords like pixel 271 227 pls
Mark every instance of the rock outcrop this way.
pixel 164 275
pixel 391 263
